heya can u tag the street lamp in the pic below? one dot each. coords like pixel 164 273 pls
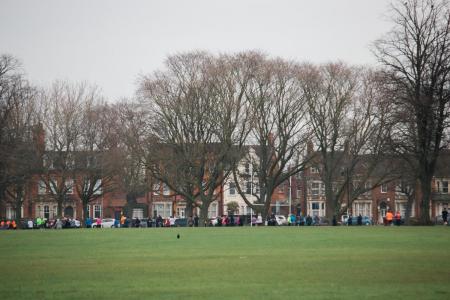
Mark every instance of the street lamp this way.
pixel 348 190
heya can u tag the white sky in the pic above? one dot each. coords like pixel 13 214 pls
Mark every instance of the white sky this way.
pixel 110 42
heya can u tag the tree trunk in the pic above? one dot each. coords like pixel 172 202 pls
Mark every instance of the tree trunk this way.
pixel 189 209
pixel 83 214
pixel 265 211
pixel 425 184
pixel 409 208
pixel 60 205
pixel 203 215
pixel 331 204
pixel 19 203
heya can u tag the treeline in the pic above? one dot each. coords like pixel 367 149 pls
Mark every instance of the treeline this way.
pixel 191 124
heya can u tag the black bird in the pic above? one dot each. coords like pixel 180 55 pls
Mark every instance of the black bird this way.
pixel 178 236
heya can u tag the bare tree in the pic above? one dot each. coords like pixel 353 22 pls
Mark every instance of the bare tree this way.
pixel 131 134
pixel 96 152
pixel 18 122
pixel 416 56
pixel 10 78
pixel 62 120
pixel 198 106
pixel 279 133
pixel 350 127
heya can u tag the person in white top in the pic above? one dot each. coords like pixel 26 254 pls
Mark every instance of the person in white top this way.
pixel 172 221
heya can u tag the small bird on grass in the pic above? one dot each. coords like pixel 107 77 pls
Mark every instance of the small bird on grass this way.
pixel 178 236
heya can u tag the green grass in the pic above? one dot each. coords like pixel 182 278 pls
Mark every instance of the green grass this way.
pixel 227 263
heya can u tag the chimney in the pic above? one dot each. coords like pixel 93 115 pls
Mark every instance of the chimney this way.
pixel 39 138
pixel 309 147
pixel 271 139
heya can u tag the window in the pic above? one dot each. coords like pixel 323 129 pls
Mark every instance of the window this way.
pixel 98 187
pixel 43 210
pixel 10 213
pixel 166 190
pixel 53 186
pixel 181 212
pixel 212 210
pixel 367 187
pixel 88 211
pixel 163 209
pixel 69 186
pixel 384 188
pixel 42 189
pixel 314 170
pixel 168 210
pixel 46 212
pixel 317 188
pixel 401 207
pixel 362 208
pixel 138 213
pixel 248 187
pixel 247 168
pixel 156 188
pixel 442 186
pixel 97 211
pixel 316 208
pixel 232 188
pixel 159 208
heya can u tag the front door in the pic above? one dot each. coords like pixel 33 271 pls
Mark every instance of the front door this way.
pixel 382 212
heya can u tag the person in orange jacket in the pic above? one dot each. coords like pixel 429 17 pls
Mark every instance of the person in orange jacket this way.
pixel 389 217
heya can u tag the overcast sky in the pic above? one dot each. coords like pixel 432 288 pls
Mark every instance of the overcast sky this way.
pixel 110 43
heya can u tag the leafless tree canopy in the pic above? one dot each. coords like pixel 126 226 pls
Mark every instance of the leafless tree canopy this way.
pixel 279 131
pixel 199 122
pixel 350 126
pixel 76 144
pixel 18 118
pixel 416 56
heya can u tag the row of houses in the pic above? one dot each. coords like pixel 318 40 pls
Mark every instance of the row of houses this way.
pixel 303 194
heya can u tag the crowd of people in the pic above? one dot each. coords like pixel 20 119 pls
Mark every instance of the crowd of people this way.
pixel 8 224
pixel 193 221
pixel 40 223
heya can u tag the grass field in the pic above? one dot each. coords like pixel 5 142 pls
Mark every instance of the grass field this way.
pixel 227 263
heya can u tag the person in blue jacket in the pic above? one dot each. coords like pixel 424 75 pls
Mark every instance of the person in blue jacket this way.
pixel 88 222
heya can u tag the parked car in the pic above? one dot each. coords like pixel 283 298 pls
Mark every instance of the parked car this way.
pixel 366 220
pixel 259 221
pixel 212 222
pixel 106 223
pixel 281 220
pixel 143 223
pixel 77 223
pixel 181 222
pixel 321 221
